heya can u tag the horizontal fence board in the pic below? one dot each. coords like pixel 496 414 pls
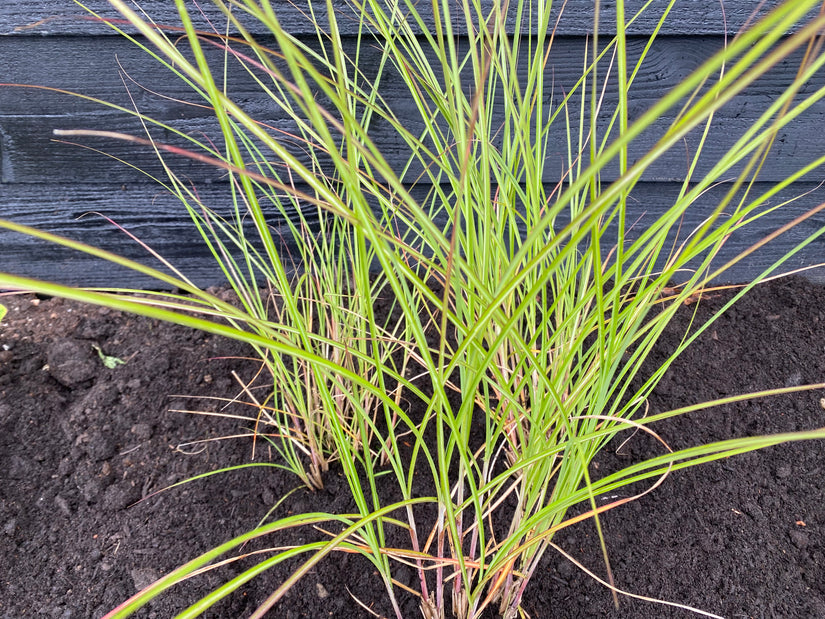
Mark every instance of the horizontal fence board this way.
pixel 103 68
pixel 28 117
pixel 55 17
pixel 160 221
pixel 51 183
pixel 32 155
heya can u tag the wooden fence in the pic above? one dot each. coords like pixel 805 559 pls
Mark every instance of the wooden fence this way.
pixel 76 191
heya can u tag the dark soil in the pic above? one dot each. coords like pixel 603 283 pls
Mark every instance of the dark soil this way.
pixel 81 444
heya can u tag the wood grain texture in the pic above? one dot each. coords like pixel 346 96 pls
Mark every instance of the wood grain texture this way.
pixel 693 17
pixel 158 220
pixel 80 211
pixel 48 183
pixel 118 72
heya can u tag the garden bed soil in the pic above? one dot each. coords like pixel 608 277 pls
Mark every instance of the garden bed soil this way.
pixel 82 444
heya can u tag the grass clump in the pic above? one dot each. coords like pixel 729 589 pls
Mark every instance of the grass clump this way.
pixel 524 299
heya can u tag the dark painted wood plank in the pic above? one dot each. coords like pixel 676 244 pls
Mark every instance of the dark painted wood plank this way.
pixel 694 17
pixel 161 222
pixel 27 118
pixel 79 211
pixel 49 184
pixel 32 155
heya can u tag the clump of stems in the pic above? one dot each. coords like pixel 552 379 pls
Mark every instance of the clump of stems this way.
pixel 525 295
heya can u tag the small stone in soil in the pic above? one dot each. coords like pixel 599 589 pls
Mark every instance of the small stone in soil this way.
pixel 70 362
pixel 799 539
pixel 62 505
pixel 143 577
pixel 143 431
pixel 119 497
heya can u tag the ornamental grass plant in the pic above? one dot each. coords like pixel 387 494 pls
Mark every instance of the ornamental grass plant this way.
pixel 523 294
